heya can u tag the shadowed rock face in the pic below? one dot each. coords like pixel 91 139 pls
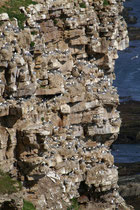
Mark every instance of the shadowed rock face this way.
pixel 129 182
pixel 58 106
pixel 129 132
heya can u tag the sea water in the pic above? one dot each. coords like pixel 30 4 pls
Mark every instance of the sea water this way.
pixel 127 70
pixel 126 153
pixel 127 67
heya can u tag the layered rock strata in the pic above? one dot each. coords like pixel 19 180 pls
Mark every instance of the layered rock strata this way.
pixel 129 132
pixel 58 112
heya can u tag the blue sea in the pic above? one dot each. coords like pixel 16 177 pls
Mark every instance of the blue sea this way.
pixel 127 66
pixel 127 70
pixel 126 153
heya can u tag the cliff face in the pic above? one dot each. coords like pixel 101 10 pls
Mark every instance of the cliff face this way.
pixel 58 106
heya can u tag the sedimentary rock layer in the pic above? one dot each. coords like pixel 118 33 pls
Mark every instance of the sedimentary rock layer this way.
pixel 58 112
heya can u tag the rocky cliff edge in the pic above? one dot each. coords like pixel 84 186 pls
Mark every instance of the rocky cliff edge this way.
pixel 58 113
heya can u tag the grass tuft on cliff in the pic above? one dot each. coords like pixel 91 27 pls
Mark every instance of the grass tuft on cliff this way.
pixel 74 204
pixel 12 8
pixel 82 5
pixel 28 205
pixel 105 2
pixel 7 184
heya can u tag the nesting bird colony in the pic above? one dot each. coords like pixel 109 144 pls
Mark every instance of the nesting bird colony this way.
pixel 58 108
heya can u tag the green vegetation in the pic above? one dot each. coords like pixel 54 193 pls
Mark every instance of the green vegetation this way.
pixel 7 184
pixel 28 205
pixel 74 204
pixel 34 32
pixel 12 8
pixel 42 119
pixel 82 5
pixel 1 23
pixel 42 86
pixel 32 44
pixel 105 3
pixel 55 21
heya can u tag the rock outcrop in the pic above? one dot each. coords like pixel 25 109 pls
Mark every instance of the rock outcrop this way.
pixel 129 183
pixel 58 113
pixel 129 132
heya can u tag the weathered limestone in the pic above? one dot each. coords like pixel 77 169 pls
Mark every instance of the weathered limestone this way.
pixel 58 112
